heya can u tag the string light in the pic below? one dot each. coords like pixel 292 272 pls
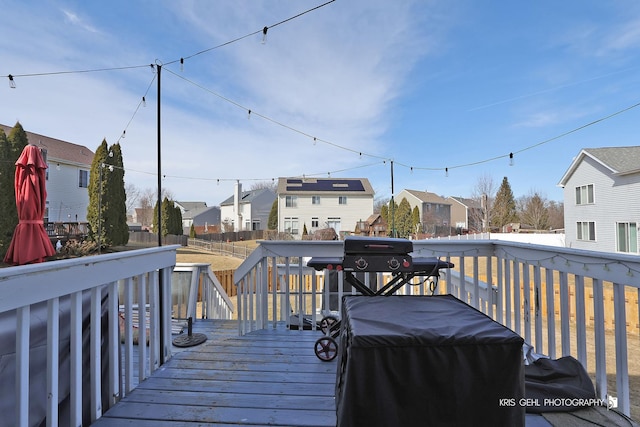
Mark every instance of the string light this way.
pixel 144 101
pixel 181 64
pixel 248 114
pixel 510 159
pixel 264 34
pixel 446 172
pixel 12 83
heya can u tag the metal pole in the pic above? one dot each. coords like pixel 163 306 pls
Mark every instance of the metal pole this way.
pixel 393 206
pixel 160 275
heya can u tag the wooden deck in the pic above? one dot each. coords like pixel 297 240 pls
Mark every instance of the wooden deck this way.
pixel 268 377
pixel 265 378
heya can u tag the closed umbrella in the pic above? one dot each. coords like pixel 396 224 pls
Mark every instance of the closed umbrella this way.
pixel 30 242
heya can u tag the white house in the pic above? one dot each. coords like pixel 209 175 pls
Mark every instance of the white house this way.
pixel 323 203
pixel 602 199
pixel 247 210
pixel 67 177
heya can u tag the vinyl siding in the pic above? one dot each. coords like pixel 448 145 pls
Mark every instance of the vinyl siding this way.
pixel 616 199
pixel 357 208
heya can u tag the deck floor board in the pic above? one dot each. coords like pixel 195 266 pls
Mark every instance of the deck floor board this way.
pixel 268 377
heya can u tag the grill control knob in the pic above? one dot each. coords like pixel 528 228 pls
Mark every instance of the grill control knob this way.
pixel 406 263
pixel 361 263
pixel 394 264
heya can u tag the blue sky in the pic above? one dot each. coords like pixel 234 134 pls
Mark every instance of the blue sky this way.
pixel 428 84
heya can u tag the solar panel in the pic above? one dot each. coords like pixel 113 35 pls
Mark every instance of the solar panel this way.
pixel 325 185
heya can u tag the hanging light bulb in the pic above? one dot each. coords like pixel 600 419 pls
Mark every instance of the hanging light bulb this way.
pixel 181 64
pixel 12 83
pixel 124 135
pixel 510 159
pixel 144 102
pixel 153 68
pixel 248 114
pixel 314 140
pixel 264 34
pixel 446 172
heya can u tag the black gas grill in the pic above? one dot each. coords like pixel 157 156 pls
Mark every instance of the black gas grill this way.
pixel 368 255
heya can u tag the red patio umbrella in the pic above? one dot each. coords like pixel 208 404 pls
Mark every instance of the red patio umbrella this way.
pixel 30 243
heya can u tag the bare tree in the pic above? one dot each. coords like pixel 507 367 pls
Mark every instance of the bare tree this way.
pixel 483 194
pixel 556 214
pixel 533 211
pixel 270 185
pixel 133 194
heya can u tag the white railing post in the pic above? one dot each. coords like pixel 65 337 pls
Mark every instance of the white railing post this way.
pixel 114 344
pixel 622 355
pixel 76 359
pixel 53 352
pixel 23 324
pixel 95 353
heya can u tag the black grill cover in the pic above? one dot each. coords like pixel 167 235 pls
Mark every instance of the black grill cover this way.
pixel 377 245
pixel 426 360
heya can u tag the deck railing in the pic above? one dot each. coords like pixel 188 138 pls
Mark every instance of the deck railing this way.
pixel 62 332
pixel 562 301
pixel 198 294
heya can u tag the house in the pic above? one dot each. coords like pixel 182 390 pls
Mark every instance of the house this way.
pixel 206 219
pixel 435 211
pixel 466 214
pixel 247 210
pixel 375 225
pixel 67 177
pixel 602 199
pixel 317 203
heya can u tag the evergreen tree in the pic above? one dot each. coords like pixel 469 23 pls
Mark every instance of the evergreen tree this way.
pixel 415 220
pixel 304 230
pixel 192 232
pixel 403 218
pixel 17 140
pixel 504 211
pixel 176 218
pixel 7 197
pixel 116 199
pixel 272 223
pixel 12 146
pixel 96 211
pixel 384 213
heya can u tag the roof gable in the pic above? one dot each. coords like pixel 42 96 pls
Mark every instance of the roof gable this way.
pixel 246 196
pixel 619 160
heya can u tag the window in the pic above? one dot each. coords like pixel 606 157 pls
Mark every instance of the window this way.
pixel 291 225
pixel 314 222
pixel 586 230
pixel 584 195
pixel 83 179
pixel 291 201
pixel 342 200
pixel 315 200
pixel 627 237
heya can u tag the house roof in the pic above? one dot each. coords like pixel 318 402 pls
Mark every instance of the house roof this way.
pixel 310 186
pixel 246 196
pixel 426 197
pixel 619 160
pixel 470 203
pixel 189 206
pixel 192 213
pixel 57 149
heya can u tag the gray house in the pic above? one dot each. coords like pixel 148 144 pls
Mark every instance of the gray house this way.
pixel 602 200
pixel 247 210
pixel 435 211
pixel 466 214
pixel 205 218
